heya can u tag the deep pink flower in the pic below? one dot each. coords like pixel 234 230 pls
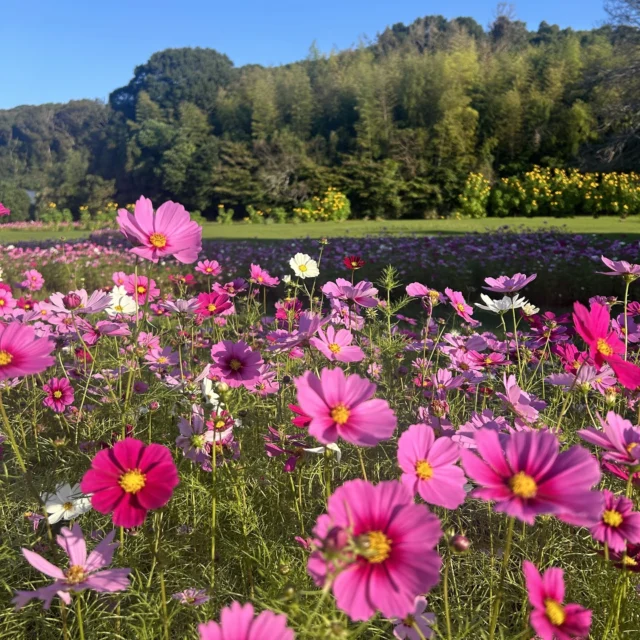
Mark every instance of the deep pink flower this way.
pixel 232 288
pixel 504 284
pixel 460 306
pixel 303 420
pixel 526 475
pixel 620 268
pixel 342 407
pixel 139 287
pixel 3 210
pixel 236 363
pixel 59 394
pixel 22 352
pixel 520 402
pixel 619 438
pixel 336 345
pixel 237 622
pixel 130 479
pixel 593 325
pixel 262 277
pixel 213 304
pixel 209 267
pixel 170 232
pixel 33 280
pixel 377 546
pixel 362 294
pixel 7 303
pixel 83 572
pixel 618 523
pixel 551 619
pixel 404 628
pixel 429 467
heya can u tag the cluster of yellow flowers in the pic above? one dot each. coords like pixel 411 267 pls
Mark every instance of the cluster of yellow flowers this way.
pixel 333 205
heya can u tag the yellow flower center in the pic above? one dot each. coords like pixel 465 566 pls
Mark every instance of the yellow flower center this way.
pixel 163 360
pixel 629 562
pixel 158 240
pixel 67 506
pixel 1 302
pixel 211 308
pixel 376 547
pixel 302 267
pixel 334 348
pixel 340 414
pixel 409 621
pixel 5 358
pixel 354 263
pixel 209 270
pixel 460 306
pixel 424 470
pixel 235 364
pixel 132 481
pixel 555 612
pixel 523 485
pixel 612 518
pixel 117 308
pixel 141 289
pixel 197 441
pixel 631 446
pixel 604 348
pixel 75 574
pixel 57 394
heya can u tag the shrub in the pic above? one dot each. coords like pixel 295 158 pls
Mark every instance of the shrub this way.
pixel 331 207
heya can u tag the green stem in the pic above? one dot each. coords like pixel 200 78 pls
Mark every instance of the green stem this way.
pixel 445 594
pixel 79 617
pixel 362 467
pixel 503 571
pixel 165 616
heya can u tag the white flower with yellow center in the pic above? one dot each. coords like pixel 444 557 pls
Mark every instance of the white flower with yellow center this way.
pixel 304 266
pixel 530 309
pixel 500 306
pixel 121 303
pixel 67 503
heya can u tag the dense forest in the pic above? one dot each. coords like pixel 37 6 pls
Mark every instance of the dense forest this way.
pixel 397 124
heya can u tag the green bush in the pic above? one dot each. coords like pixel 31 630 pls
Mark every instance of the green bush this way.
pixel 16 199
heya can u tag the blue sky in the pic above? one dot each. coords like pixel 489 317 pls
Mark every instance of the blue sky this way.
pixel 57 50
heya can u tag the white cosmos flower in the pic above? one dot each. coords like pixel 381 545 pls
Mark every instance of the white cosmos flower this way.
pixel 121 302
pixel 333 447
pixel 500 306
pixel 286 279
pixel 530 309
pixel 209 396
pixel 304 266
pixel 68 502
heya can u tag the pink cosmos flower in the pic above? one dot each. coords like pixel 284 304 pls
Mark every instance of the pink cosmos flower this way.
pixel 377 547
pixel 362 294
pixel 262 277
pixel 213 304
pixel 59 394
pixel 83 572
pixel 504 284
pixel 139 287
pixel 619 438
pixel 78 302
pixel 33 280
pixel 618 523
pixel 209 267
pixel 460 306
pixel 520 402
pixel 7 303
pixel 130 479
pixel 336 345
pixel 191 597
pixel 22 352
pixel 162 359
pixel 194 437
pixel 236 363
pixel 551 619
pixel 170 232
pixel 526 475
pixel 604 345
pixel 237 622
pixel 303 420
pixel 429 467
pixel 342 407
pixel 405 629
pixel 232 288
pixel 620 268
pixel 3 210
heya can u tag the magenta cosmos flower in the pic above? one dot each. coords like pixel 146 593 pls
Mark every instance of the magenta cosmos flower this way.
pixel 336 345
pixel 619 438
pixel 213 304
pixel 551 619
pixel 22 352
pixel 377 547
pixel 503 284
pixel 168 232
pixel 363 293
pixel 618 523
pixel 429 467
pixel 620 268
pixel 460 306
pixel 130 479
pixel 209 267
pixel 59 394
pixel 3 210
pixel 33 280
pixel 342 407
pixel 238 622
pixel 83 572
pixel 7 303
pixel 236 363
pixel 526 475
pixel 260 276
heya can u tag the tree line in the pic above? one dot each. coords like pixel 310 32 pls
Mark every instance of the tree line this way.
pixel 397 124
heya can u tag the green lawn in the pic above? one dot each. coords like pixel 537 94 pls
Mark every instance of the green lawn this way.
pixel 613 226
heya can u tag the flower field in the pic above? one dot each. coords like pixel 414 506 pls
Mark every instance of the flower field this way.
pixel 356 438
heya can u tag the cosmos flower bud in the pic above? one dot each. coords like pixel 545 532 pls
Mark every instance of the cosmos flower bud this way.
pixel 459 543
pixel 72 301
pixel 222 387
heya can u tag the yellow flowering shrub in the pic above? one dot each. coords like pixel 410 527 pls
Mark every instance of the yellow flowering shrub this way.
pixel 333 205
